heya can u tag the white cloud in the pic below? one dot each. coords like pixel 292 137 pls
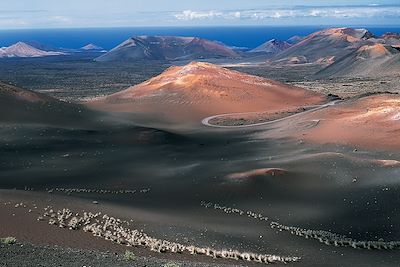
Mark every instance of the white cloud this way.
pixel 7 22
pixel 237 14
pixel 368 11
pixel 273 15
pixel 191 15
pixel 61 19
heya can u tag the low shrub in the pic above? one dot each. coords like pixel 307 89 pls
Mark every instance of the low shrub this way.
pixel 8 240
pixel 129 256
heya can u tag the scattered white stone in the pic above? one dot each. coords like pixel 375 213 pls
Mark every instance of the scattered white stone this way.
pixel 325 237
pixel 115 230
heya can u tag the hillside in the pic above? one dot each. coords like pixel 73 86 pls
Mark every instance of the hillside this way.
pixel 19 105
pixel 368 61
pixel 325 46
pixel 370 121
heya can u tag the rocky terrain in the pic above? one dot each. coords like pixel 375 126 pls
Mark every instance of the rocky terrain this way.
pixel 26 255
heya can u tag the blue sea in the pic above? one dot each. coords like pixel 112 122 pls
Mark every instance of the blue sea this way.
pixel 249 36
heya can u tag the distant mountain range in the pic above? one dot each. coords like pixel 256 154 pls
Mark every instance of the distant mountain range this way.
pixel 22 49
pixel 325 46
pixel 343 51
pixel 167 48
pixel 322 47
pixel 330 45
pixel 35 49
pixel 172 48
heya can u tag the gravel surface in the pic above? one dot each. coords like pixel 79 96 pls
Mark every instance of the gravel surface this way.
pixel 25 254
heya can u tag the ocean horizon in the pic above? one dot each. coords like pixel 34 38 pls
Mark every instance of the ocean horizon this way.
pixel 237 36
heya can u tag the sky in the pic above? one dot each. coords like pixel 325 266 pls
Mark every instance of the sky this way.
pixel 27 14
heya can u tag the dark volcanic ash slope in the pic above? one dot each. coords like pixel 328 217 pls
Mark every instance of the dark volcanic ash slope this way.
pixel 368 61
pixel 19 105
pixel 167 48
pixel 325 46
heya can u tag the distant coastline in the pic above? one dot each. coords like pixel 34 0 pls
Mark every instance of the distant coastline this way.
pixel 238 36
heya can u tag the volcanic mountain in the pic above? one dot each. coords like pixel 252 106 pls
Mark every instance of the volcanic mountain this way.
pixel 271 47
pixel 43 47
pixel 194 91
pixel 22 49
pixel 391 38
pixel 167 48
pixel 390 35
pixel 92 47
pixel 368 61
pixel 326 45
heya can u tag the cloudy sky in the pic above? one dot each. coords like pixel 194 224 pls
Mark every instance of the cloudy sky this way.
pixel 117 13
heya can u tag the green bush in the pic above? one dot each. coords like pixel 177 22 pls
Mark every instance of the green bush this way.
pixel 129 256
pixel 171 264
pixel 8 240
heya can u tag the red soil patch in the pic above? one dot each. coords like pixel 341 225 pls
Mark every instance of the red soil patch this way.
pixel 387 162
pixel 371 122
pixel 373 51
pixel 257 172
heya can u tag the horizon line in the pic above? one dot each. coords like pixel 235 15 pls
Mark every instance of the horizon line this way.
pixel 206 26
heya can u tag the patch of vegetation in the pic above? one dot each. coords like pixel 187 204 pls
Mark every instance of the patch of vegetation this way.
pixel 8 240
pixel 129 256
pixel 171 264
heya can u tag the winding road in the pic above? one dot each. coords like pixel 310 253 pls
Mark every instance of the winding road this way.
pixel 206 121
